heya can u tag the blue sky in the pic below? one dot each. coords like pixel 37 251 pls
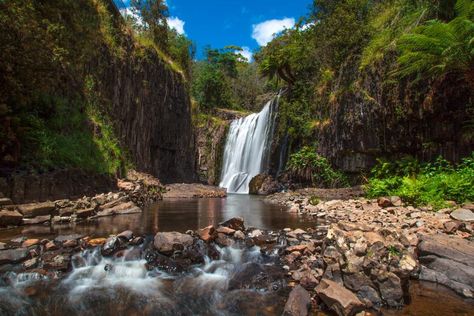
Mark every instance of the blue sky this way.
pixel 244 23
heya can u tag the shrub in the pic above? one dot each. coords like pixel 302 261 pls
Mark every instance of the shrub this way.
pixel 307 166
pixel 424 184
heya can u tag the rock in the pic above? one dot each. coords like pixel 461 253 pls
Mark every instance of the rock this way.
pixel 13 255
pixel 390 288
pixel 224 240
pixel 462 214
pixel 111 245
pixel 37 220
pixel 342 301
pixel 96 242
pixel 5 201
pixel 207 234
pixel 37 209
pixel 236 223
pixel 10 218
pixel 299 248
pixel 468 206
pixel 298 303
pixel 63 238
pixel 85 213
pixel 396 201
pixel 30 264
pixel 125 235
pixel 451 227
pixel 68 211
pixel 239 235
pixel 50 246
pixel 451 248
pixel 255 233
pixel 30 242
pixel 225 230
pixel 384 202
pixel 167 242
pixel 3 245
pixel 70 243
pixel 58 262
pixel 263 184
pixel 430 275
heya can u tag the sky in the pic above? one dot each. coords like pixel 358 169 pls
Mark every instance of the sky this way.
pixel 245 23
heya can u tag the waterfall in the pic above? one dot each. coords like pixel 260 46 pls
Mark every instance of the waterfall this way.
pixel 247 148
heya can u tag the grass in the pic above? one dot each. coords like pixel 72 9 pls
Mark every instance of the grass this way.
pixel 424 184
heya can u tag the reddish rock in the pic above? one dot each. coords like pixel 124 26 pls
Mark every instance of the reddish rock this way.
pixel 236 223
pixel 384 202
pixel 96 242
pixel 207 233
pixel 50 246
pixel 339 299
pixel 167 242
pixel 451 227
pixel 30 242
pixel 299 302
pixel 225 230
pixel 299 248
pixel 70 243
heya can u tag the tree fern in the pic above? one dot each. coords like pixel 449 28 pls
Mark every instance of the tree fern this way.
pixel 438 48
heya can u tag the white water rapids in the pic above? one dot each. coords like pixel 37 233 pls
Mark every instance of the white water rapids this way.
pixel 247 148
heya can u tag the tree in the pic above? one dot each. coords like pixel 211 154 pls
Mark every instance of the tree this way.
pixel 438 48
pixel 154 14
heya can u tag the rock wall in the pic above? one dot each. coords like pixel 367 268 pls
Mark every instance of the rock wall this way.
pixel 151 110
pixel 60 184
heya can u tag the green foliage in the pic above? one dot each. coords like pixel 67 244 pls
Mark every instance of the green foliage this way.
pixel 424 184
pixel 308 167
pixel 153 14
pixel 437 48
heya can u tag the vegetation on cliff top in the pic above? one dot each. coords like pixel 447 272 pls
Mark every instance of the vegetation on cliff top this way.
pixel 52 110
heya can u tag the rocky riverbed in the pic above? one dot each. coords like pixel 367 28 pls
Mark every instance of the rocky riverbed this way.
pixel 344 268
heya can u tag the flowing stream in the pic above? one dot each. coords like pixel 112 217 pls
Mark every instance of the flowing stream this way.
pixel 247 148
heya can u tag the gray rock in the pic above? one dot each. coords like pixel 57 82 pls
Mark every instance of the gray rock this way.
pixel 37 209
pixel 13 255
pixel 390 288
pixel 167 242
pixel 298 303
pixel 37 220
pixel 464 215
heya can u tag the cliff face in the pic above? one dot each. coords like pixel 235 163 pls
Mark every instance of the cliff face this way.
pixel 387 119
pixel 150 109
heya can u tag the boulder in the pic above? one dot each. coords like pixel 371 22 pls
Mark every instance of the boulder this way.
pixel 340 300
pixel 298 303
pixel 37 209
pixel 13 255
pixel 452 248
pixel 462 214
pixel 207 233
pixel 263 184
pixel 37 220
pixel 384 202
pixel 10 218
pixel 225 230
pixel 167 242
pixel 236 223
pixel 390 288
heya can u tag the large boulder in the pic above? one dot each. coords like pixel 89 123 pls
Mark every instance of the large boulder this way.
pixel 263 184
pixel 449 261
pixel 168 242
pixel 10 218
pixel 37 209
pixel 13 255
pixel 339 299
pixel 462 214
pixel 299 302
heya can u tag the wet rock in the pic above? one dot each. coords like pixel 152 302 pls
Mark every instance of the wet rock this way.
pixel 225 230
pixel 239 235
pixel 207 234
pixel 37 209
pixel 451 248
pixel 10 218
pixel 37 220
pixel 224 240
pixel 340 300
pixel 111 245
pixel 30 242
pixel 57 262
pixel 369 296
pixel 96 242
pixel 125 235
pixel 299 302
pixel 167 242
pixel 257 276
pixel 439 277
pixel 70 243
pixel 63 238
pixel 50 246
pixel 13 255
pixel 236 223
pixel 136 241
pixel 255 233
pixel 30 264
pixel 462 214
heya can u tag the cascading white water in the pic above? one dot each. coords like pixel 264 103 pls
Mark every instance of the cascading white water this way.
pixel 247 147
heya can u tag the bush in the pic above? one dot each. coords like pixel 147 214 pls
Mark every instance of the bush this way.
pixel 424 184
pixel 307 166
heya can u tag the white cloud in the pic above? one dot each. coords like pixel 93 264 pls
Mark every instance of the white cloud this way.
pixel 177 24
pixel 246 53
pixel 265 31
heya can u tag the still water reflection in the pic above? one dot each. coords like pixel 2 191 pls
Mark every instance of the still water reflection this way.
pixel 177 215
